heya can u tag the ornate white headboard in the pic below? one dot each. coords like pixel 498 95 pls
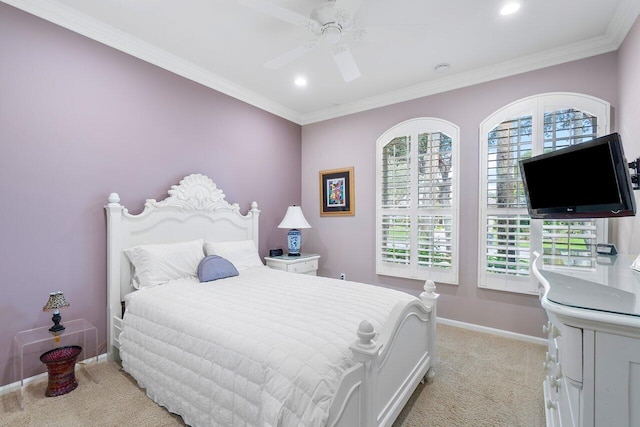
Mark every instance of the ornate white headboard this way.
pixel 195 209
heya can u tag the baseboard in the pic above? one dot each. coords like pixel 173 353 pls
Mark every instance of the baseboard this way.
pixel 9 388
pixel 493 331
pixel 474 327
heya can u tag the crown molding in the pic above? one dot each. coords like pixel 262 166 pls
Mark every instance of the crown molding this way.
pixel 52 11
pixel 87 26
pixel 560 55
pixel 623 19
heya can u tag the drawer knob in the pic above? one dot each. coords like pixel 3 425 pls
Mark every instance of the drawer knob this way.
pixel 551 405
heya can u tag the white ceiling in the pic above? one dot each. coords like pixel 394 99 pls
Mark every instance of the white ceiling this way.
pixel 224 44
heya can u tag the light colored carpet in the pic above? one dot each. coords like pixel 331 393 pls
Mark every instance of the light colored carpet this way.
pixel 481 380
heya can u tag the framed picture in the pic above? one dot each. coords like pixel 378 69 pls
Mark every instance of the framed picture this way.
pixel 337 197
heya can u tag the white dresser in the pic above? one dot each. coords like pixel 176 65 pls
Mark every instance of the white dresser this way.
pixel 593 361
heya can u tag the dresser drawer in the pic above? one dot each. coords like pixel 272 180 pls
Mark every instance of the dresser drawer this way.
pixel 571 357
pixel 305 267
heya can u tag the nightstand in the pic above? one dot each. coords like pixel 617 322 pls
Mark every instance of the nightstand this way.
pixel 303 264
pixel 40 339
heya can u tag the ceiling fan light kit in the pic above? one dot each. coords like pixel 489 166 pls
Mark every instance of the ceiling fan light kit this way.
pixel 331 33
pixel 330 23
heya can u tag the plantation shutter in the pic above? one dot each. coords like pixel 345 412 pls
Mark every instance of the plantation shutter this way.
pixel 507 222
pixel 435 193
pixel 508 236
pixel 569 243
pixel 396 200
pixel 417 203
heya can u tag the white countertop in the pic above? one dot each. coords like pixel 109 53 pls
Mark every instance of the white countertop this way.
pixel 613 286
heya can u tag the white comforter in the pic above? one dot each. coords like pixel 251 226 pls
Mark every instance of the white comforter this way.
pixel 265 348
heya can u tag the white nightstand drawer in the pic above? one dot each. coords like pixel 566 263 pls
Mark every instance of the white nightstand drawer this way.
pixel 305 267
pixel 303 264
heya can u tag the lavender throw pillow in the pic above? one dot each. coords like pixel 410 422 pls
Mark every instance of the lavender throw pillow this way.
pixel 214 267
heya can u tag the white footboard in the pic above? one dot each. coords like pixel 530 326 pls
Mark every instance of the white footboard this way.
pixel 374 391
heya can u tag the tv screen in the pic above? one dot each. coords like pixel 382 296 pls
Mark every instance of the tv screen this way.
pixel 588 180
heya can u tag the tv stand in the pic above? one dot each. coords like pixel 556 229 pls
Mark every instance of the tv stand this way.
pixel 593 331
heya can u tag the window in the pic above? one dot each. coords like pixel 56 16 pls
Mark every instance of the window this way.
pixel 417 201
pixel 508 236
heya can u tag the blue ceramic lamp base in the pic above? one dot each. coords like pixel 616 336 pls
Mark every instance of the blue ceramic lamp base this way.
pixel 294 240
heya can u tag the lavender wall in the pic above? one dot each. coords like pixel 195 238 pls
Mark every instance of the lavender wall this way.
pixel 79 120
pixel 348 244
pixel 627 229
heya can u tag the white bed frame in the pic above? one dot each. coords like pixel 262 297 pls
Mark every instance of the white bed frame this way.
pixel 391 362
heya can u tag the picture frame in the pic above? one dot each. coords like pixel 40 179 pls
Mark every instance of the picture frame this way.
pixel 337 195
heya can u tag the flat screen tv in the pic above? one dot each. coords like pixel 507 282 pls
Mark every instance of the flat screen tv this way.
pixel 587 180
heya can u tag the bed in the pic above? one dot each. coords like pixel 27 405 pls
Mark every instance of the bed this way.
pixel 261 347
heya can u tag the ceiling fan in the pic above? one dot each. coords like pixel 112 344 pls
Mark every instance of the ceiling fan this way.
pixel 330 22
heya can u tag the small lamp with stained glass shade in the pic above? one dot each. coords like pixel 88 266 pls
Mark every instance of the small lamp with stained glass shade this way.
pixel 56 302
pixel 294 220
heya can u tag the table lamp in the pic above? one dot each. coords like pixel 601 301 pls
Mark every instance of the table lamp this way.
pixel 294 220
pixel 56 302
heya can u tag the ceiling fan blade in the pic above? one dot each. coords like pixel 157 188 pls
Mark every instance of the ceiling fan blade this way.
pixel 345 62
pixel 289 56
pixel 351 6
pixel 278 12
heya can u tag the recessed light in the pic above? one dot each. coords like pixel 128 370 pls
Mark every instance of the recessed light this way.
pixel 509 8
pixel 300 81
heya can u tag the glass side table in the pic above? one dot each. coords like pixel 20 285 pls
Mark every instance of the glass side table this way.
pixel 41 339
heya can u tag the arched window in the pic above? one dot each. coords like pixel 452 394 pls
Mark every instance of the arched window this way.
pixel 508 236
pixel 417 200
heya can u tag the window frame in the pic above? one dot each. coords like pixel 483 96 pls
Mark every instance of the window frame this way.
pixel 415 127
pixel 535 106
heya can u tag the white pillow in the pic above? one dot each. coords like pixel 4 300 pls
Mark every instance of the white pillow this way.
pixel 157 264
pixel 243 254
